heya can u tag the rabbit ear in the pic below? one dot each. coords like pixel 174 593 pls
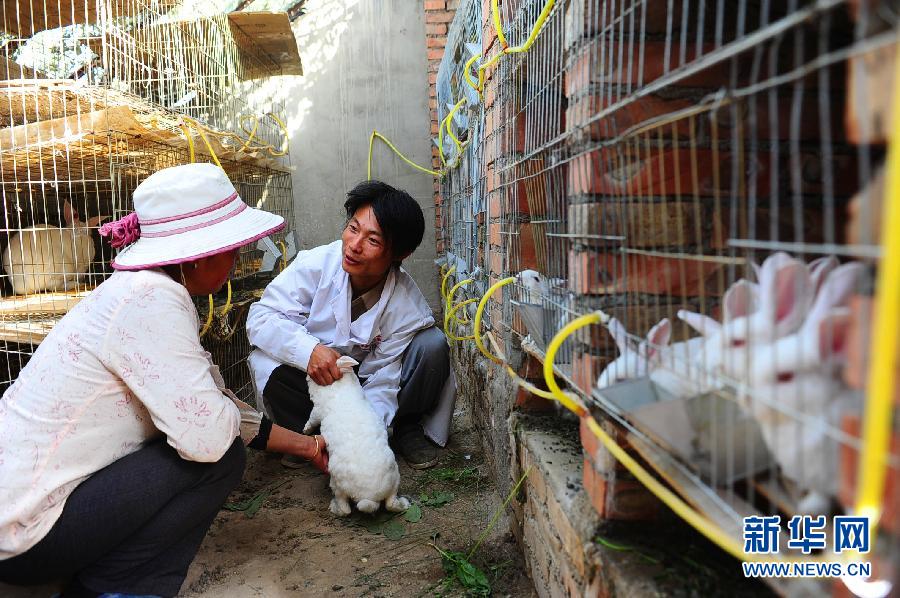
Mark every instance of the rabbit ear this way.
pixel 620 335
pixel 94 222
pixel 834 332
pixel 785 293
pixel 835 290
pixel 740 299
pixel 702 324
pixel 658 337
pixel 346 364
pixel 70 214
pixel 819 269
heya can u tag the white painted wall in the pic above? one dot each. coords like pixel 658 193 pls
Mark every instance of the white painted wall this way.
pixel 365 67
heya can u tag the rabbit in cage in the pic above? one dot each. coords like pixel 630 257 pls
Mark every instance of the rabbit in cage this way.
pixel 362 465
pixel 756 315
pixel 48 258
pixel 679 369
pixel 794 410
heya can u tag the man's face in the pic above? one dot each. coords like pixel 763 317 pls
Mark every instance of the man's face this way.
pixel 366 254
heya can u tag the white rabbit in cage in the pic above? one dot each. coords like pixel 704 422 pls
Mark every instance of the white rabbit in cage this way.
pixel 756 316
pixel 48 258
pixel 634 358
pixel 680 369
pixel 795 411
pixel 807 349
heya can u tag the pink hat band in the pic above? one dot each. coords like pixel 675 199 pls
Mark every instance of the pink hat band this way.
pixel 229 207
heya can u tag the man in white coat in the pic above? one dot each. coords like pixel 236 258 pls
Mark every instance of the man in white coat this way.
pixel 351 297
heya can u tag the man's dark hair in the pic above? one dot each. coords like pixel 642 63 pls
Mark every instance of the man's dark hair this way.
pixel 399 216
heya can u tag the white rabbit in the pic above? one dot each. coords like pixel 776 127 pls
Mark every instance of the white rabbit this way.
pixel 633 360
pixel 783 297
pixel 813 346
pixel 49 258
pixel 802 447
pixel 679 369
pixel 362 466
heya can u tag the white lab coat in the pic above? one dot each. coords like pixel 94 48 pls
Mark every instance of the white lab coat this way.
pixel 309 303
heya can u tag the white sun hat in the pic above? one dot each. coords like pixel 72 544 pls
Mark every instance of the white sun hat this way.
pixel 184 213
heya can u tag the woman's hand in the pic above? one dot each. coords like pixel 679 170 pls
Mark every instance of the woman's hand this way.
pixel 311 448
pixel 322 366
pixel 319 458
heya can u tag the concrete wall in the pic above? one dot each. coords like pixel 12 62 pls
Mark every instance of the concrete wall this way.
pixel 365 68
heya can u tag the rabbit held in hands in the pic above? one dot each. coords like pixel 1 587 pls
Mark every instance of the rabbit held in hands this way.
pixel 49 258
pixel 362 465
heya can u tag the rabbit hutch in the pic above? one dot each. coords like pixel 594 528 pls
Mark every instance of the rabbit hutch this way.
pixel 96 96
pixel 700 187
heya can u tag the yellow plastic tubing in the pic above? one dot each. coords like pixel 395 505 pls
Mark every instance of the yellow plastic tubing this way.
pixel 448 302
pixel 568 401
pixel 884 345
pixel 375 134
pixel 498 27
pixel 453 318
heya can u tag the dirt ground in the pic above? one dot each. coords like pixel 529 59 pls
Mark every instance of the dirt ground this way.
pixel 281 540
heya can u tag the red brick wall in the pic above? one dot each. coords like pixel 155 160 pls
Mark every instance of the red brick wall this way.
pixel 438 16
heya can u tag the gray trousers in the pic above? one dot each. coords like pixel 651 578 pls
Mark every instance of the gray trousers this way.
pixel 134 526
pixel 425 369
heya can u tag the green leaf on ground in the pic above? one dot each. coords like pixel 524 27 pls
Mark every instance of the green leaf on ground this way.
pixel 252 505
pixel 394 529
pixel 436 499
pixel 468 575
pixel 413 514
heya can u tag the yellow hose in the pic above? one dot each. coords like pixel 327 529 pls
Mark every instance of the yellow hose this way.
pixel 227 307
pixel 698 521
pixel 444 280
pixel 448 301
pixel 452 318
pixel 878 417
pixel 190 141
pixel 284 257
pixel 480 311
pixel 498 28
pixel 209 317
pixel 449 121
pixel 498 25
pixel 467 73
pixel 387 142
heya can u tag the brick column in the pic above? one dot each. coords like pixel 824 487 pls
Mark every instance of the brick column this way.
pixel 438 15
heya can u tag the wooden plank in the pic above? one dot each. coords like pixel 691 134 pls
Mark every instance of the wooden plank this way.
pixel 40 303
pixel 30 331
pixel 696 493
pixel 267 44
pixel 776 494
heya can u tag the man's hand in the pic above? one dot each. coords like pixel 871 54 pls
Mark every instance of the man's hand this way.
pixel 322 366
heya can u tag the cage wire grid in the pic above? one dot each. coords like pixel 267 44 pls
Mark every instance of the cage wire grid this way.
pixel 647 155
pixel 93 101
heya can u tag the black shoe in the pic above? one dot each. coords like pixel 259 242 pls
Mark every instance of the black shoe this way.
pixel 416 448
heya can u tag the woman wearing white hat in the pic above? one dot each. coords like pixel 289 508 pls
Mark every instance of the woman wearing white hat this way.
pixel 119 441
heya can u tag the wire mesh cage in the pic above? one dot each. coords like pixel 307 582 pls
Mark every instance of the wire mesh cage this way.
pixel 709 174
pixel 99 95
